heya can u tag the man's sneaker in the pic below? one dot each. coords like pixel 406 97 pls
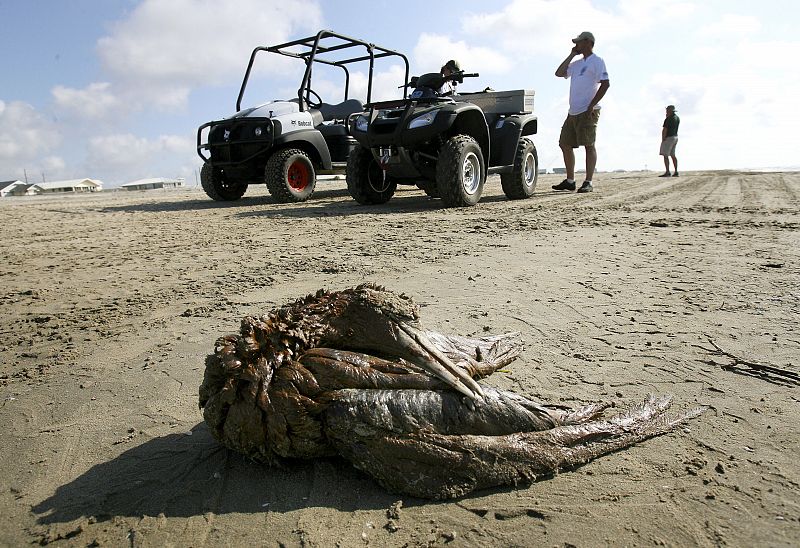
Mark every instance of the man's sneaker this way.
pixel 586 187
pixel 565 185
pixel 675 174
pixel 666 174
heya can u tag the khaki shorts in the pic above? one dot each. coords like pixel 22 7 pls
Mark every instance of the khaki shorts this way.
pixel 579 130
pixel 668 146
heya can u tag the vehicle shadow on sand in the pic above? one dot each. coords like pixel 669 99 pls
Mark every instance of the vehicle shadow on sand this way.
pixel 409 203
pixel 208 203
pixel 323 203
pixel 188 475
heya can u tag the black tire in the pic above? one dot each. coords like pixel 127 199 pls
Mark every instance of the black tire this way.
pixel 290 176
pixel 218 188
pixel 521 182
pixel 460 172
pixel 365 180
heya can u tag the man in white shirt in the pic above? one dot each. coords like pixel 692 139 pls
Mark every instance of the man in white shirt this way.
pixel 588 84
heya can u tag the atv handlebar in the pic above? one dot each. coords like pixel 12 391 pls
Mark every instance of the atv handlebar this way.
pixel 459 76
pixel 455 77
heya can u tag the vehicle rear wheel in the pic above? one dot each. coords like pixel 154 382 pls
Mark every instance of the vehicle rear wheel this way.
pixel 218 187
pixel 460 172
pixel 365 180
pixel 290 176
pixel 521 182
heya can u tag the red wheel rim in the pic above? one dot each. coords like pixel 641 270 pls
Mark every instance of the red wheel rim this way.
pixel 298 175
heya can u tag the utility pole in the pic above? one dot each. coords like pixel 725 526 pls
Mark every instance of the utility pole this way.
pixel 25 171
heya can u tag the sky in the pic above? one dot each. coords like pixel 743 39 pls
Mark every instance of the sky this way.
pixel 115 90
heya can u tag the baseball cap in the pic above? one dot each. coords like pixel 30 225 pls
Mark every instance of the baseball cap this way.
pixel 671 107
pixel 585 35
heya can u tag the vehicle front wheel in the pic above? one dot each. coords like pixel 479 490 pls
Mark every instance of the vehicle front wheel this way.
pixel 289 175
pixel 218 187
pixel 365 178
pixel 460 172
pixel 521 182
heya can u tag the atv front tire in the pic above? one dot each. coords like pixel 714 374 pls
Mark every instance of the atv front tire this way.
pixel 365 179
pixel 217 187
pixel 521 182
pixel 460 172
pixel 289 175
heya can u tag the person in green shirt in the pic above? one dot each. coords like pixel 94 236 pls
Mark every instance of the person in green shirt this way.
pixel 669 140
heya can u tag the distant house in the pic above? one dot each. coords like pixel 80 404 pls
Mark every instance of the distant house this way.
pixel 559 170
pixel 74 185
pixel 153 183
pixel 13 188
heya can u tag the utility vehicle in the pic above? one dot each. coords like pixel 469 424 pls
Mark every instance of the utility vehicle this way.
pixel 285 144
pixel 444 144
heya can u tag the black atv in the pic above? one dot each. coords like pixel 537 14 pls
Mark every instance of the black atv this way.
pixel 286 144
pixel 445 144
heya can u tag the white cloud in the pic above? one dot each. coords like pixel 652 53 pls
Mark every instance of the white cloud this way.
pixel 25 136
pixel 547 26
pixel 54 165
pixel 166 47
pixel 730 27
pixel 471 58
pixel 729 87
pixel 153 57
pixel 124 156
pixel 94 101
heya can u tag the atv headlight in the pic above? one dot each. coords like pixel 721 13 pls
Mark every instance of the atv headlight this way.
pixel 423 120
pixel 257 132
pixel 362 123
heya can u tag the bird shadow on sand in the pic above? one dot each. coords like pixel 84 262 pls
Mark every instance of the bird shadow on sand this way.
pixel 183 475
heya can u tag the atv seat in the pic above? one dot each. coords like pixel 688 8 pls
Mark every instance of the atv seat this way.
pixel 340 111
pixel 332 130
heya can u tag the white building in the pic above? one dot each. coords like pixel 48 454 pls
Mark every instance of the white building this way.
pixel 153 183
pixel 73 185
pixel 13 188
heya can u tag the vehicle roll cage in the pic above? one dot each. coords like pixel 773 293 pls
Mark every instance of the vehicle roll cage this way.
pixel 309 50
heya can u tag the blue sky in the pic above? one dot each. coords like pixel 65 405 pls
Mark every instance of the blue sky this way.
pixel 115 89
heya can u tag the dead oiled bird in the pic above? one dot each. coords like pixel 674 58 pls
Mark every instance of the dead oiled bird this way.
pixel 354 373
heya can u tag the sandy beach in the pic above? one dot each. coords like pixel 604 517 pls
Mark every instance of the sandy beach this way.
pixel 686 286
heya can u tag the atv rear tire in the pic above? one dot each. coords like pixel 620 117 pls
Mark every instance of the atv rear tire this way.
pixel 289 175
pixel 460 172
pixel 365 180
pixel 217 187
pixel 521 182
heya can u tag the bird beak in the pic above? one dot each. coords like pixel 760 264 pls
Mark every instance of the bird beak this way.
pixel 423 353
